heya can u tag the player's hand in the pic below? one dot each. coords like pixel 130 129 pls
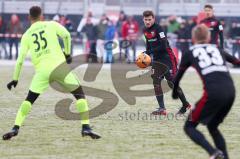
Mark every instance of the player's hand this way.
pixel 68 59
pixel 174 93
pixel 12 84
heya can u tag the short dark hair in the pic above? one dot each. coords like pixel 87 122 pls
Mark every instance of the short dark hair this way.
pixel 35 12
pixel 148 13
pixel 208 6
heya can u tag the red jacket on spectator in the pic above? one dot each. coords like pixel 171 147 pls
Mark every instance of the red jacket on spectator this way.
pixel 130 30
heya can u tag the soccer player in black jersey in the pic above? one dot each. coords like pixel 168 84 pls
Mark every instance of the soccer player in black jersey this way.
pixel 218 95
pixel 214 26
pixel 157 45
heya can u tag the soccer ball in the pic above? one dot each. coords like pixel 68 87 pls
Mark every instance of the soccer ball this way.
pixel 143 60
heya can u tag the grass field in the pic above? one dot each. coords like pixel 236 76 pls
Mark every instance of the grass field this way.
pixel 44 135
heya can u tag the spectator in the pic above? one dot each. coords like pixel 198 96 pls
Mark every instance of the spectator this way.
pixel 164 24
pixel 235 35
pixel 69 27
pixel 14 29
pixel 173 26
pixel 183 36
pixel 3 39
pixel 122 18
pixel 84 21
pixel 62 20
pixel 68 24
pixel 191 24
pixel 130 30
pixel 101 29
pixel 90 30
pixel 109 36
pixel 56 18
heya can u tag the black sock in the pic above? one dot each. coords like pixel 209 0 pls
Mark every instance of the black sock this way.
pixel 219 140
pixel 85 126
pixel 16 127
pixel 198 137
pixel 159 96
pixel 160 102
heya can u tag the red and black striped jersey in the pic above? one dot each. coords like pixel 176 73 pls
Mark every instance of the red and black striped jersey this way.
pixel 156 42
pixel 216 29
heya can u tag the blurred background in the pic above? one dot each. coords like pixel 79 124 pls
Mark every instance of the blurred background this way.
pixel 104 27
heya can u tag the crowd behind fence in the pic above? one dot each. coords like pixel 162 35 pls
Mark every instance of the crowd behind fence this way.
pixel 99 36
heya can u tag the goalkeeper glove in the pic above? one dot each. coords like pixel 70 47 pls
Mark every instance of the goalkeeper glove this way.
pixel 12 84
pixel 68 59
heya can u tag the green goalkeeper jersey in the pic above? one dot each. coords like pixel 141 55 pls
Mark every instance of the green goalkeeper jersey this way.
pixel 41 42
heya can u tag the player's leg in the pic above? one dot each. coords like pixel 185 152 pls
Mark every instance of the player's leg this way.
pixel 4 47
pixel 72 84
pixel 185 103
pixel 16 45
pixel 197 137
pixel 171 64
pixel 204 112
pixel 120 51
pixel 38 85
pixel 21 114
pixel 134 50
pixel 94 53
pixel 160 99
pixel 159 96
pixel 218 139
pixel 110 57
pixel 127 56
pixel 10 48
pixel 82 107
pixel 212 126
pixel 157 76
pixel 169 75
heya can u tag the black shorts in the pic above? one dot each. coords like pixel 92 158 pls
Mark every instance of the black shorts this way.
pixel 166 67
pixel 213 108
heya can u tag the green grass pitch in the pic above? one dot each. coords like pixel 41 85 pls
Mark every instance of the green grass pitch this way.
pixel 44 135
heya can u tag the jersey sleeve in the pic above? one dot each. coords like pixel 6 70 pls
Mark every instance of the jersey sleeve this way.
pixel 185 63
pixel 24 46
pixel 230 58
pixel 147 45
pixel 163 40
pixel 148 48
pixel 65 35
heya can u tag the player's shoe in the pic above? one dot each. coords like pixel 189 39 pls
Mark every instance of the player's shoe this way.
pixel 217 155
pixel 12 133
pixel 160 111
pixel 183 109
pixel 87 131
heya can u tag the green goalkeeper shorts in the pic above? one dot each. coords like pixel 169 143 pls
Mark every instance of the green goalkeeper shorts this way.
pixel 41 82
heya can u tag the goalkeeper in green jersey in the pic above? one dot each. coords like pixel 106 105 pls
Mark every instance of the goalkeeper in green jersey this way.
pixel 41 41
